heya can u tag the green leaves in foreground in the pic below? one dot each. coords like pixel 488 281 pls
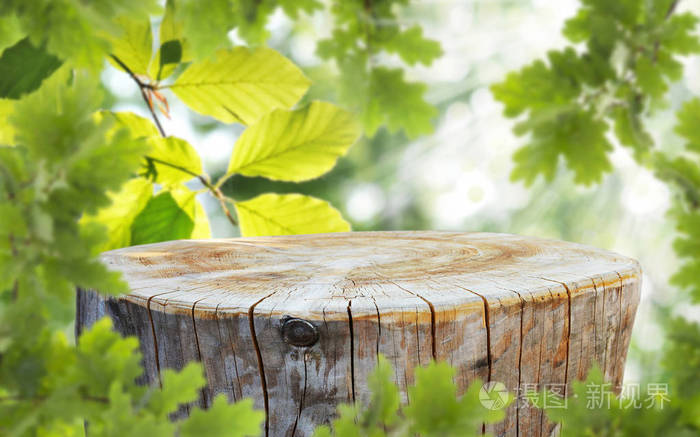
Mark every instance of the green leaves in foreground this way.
pixel 292 146
pixel 76 31
pixel 252 86
pixel 295 145
pixel 138 214
pixel 95 382
pixel 434 408
pixel 241 85
pixel 257 87
pixel 23 67
pixel 285 214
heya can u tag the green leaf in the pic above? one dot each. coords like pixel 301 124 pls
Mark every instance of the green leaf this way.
pixel 575 135
pixel 103 357
pixel 435 409
pixel 677 34
pixel 251 20
pixel 23 67
pixel 649 78
pixel 288 214
pixel 127 203
pixel 582 417
pixel 224 419
pixel 179 388
pixel 293 7
pixel 7 132
pixel 134 46
pixel 170 27
pixel 174 159
pixel 138 127
pixel 174 47
pixel 413 47
pixel 389 97
pixel 295 145
pixel 535 87
pixel 170 52
pixel 206 28
pixel 241 85
pixel 161 220
pixel 688 125
pixel 630 130
pixel 76 31
pixel 10 31
pixel 385 399
pixel 187 200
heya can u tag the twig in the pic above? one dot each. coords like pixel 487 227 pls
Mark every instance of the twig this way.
pixel 222 201
pixel 142 85
pixel 671 8
pixel 215 190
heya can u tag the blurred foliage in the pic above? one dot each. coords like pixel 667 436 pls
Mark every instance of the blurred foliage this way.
pixel 363 30
pixel 568 105
pixel 54 172
pixel 434 408
pixel 64 197
pixel 570 101
pixel 72 30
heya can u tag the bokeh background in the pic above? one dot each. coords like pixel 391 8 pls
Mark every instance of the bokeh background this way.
pixel 457 178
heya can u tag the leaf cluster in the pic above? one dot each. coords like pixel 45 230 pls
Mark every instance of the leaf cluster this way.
pixel 257 87
pixel 69 29
pixel 626 56
pixel 364 31
pixel 51 174
pixel 434 408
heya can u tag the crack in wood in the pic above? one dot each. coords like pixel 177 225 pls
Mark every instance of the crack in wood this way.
pixel 488 340
pixel 153 332
pixel 352 351
pixel 199 353
pixel 619 323
pixel 261 366
pixel 568 332
pixel 379 323
pixel 541 413
pixel 432 316
pixel 303 396
pixel 239 395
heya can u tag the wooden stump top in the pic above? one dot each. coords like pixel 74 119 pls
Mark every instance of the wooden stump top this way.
pixel 297 322
pixel 315 276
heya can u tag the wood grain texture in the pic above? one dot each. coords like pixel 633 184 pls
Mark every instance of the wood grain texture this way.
pixel 528 312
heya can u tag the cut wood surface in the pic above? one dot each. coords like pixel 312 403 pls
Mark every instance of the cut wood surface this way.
pixel 297 322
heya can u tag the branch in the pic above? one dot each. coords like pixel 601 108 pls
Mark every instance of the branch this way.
pixel 142 85
pixel 214 189
pixel 222 201
pixel 671 8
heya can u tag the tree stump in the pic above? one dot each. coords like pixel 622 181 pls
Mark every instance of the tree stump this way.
pixel 297 322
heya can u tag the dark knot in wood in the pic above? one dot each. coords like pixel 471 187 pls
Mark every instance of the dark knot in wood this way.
pixel 299 332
